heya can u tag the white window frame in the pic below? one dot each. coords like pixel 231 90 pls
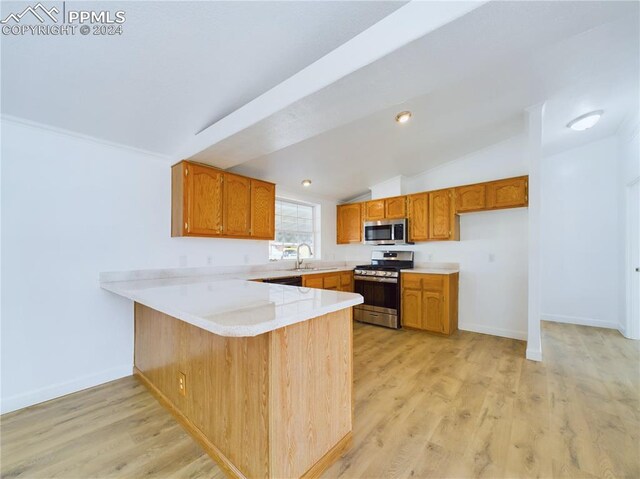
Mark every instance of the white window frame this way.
pixel 315 221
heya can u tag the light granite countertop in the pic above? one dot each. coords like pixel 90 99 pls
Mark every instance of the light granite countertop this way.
pixel 224 300
pixel 233 307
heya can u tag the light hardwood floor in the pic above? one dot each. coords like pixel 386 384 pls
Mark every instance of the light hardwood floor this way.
pixel 464 406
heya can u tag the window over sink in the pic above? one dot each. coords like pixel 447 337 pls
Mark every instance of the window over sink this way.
pixel 296 223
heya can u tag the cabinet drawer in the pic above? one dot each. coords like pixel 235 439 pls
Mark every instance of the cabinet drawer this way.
pixel 433 282
pixel 331 282
pixel 312 281
pixel 412 281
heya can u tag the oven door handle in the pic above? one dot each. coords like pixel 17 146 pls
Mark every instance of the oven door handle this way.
pixel 375 279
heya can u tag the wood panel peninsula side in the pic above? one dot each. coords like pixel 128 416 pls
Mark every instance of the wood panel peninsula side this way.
pixel 260 374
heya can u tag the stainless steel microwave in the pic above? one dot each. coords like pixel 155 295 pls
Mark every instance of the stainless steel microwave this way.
pixel 385 232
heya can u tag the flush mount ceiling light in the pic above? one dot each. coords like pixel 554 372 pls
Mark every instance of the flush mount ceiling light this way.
pixel 403 116
pixel 306 183
pixel 586 121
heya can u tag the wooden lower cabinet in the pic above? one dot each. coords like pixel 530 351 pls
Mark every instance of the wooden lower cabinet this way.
pixel 411 308
pixel 276 405
pixel 430 302
pixel 337 281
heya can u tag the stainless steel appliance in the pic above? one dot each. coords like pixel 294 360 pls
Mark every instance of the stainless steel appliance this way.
pixel 385 232
pixel 379 284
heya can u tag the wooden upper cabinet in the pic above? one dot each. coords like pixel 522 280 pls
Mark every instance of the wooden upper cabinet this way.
pixel 237 205
pixel 396 207
pixel 470 198
pixel 443 222
pixel 349 227
pixel 374 210
pixel 196 198
pixel 418 216
pixel 509 193
pixel 263 198
pixel 206 201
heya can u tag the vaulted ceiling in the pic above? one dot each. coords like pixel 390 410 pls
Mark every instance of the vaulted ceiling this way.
pixel 177 68
pixel 292 90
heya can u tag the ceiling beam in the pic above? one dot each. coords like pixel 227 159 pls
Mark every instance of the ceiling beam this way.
pixel 403 26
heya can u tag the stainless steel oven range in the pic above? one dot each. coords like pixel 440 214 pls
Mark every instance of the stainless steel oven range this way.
pixel 379 284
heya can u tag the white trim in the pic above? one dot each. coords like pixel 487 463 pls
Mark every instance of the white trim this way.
pixel 534 354
pixel 628 326
pixel 54 391
pixel 60 131
pixel 504 333
pixel 598 323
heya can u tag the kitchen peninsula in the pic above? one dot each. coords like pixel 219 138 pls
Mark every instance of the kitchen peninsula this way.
pixel 260 374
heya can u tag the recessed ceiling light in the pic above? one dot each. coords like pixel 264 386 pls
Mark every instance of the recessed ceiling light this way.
pixel 306 183
pixel 586 121
pixel 403 116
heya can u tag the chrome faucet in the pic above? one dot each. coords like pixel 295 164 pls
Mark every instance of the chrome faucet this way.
pixel 298 260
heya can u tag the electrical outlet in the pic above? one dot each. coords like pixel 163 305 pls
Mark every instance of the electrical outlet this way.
pixel 209 260
pixel 182 384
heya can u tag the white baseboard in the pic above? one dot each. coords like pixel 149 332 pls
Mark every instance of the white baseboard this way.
pixel 504 333
pixel 598 323
pixel 534 354
pixel 47 393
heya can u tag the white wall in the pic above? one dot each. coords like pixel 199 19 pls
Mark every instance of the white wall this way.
pixel 580 244
pixel 71 208
pixel 492 251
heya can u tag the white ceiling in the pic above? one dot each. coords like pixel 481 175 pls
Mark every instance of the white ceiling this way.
pixel 178 67
pixel 183 66
pixel 467 83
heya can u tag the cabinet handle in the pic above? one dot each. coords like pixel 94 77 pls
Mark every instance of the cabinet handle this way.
pixel 186 171
pixel 186 226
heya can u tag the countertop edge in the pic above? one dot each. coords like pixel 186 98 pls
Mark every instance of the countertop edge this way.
pixel 236 331
pixel 430 271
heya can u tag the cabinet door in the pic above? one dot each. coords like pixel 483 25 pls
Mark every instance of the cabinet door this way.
pixel 237 205
pixel 263 201
pixel 440 215
pixel 395 207
pixel 346 282
pixel 418 215
pixel 412 308
pixel 470 198
pixel 433 311
pixel 509 193
pixel 349 227
pixel 374 210
pixel 312 281
pixel 204 200
pixel 331 281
